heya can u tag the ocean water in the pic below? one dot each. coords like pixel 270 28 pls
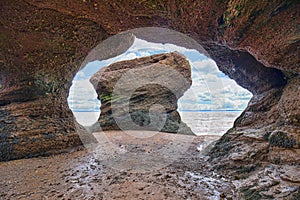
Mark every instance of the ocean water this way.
pixel 201 123
pixel 210 123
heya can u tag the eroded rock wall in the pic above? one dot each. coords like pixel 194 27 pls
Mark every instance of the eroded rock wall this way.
pixel 142 93
pixel 41 50
pixel 44 42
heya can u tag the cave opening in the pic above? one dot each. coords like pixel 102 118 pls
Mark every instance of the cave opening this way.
pixel 209 107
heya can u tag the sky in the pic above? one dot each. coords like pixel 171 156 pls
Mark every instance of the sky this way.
pixel 211 89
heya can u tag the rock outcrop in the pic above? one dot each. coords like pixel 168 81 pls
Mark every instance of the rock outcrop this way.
pixel 44 43
pixel 142 93
pixel 268 130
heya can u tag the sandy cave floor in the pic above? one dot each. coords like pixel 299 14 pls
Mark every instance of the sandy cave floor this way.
pixel 124 165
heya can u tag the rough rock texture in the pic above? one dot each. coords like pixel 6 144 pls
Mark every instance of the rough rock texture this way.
pixel 142 93
pixel 270 182
pixel 38 59
pixel 254 42
pixel 268 130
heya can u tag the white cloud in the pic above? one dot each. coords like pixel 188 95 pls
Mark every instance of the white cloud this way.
pixel 141 45
pixel 82 96
pixel 81 74
pixel 207 66
pixel 210 91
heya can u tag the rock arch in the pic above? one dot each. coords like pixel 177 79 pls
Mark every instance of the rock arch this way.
pixel 44 43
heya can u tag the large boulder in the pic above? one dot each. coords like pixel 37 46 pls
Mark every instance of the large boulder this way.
pixel 143 93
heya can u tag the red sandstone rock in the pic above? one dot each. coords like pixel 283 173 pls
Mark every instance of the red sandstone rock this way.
pixel 44 42
pixel 143 93
pixel 256 43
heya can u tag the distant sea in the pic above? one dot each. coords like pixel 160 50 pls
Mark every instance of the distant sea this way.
pixel 201 122
pixel 210 122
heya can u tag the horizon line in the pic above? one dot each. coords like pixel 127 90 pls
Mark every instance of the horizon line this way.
pixel 217 110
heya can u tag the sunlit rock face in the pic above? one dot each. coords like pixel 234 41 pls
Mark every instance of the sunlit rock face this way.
pixel 143 93
pixel 43 44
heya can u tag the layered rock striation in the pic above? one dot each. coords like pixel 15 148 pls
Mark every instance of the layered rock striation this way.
pixel 143 93
pixel 44 44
